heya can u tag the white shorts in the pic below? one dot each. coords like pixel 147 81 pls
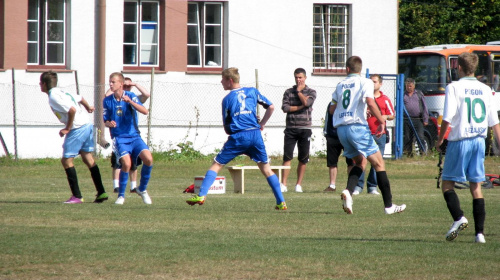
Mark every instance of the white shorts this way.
pixel 464 160
pixel 357 139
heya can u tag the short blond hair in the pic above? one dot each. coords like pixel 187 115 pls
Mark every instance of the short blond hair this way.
pixel 231 73
pixel 117 74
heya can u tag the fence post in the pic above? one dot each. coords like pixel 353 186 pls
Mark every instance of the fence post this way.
pixel 14 112
pixel 150 105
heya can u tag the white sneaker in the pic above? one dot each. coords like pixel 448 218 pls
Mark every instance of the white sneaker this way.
pixel 375 192
pixel 355 192
pixel 120 200
pixel 346 201
pixel 480 238
pixel 298 188
pixel 145 196
pixel 283 188
pixel 395 209
pixel 456 227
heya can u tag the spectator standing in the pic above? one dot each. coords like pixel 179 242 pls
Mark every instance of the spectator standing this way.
pixel 387 110
pixel 333 150
pixel 469 110
pixel 349 104
pixel 416 107
pixel 297 104
pixel 78 135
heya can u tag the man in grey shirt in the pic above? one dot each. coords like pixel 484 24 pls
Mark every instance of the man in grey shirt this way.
pixel 414 101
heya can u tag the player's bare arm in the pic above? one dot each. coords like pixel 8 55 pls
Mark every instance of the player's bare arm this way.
pixel 141 109
pixel 69 124
pixel 87 106
pixel 267 115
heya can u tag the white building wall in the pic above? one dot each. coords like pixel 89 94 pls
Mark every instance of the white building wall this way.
pixel 274 37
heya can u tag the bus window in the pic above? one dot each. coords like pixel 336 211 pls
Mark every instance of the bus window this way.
pixel 428 70
pixel 495 61
pixel 453 60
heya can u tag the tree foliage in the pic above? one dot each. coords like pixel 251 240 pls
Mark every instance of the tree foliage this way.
pixel 434 22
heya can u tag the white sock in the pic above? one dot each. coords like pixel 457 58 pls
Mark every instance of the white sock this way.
pixel 116 184
pixel 332 186
pixel 133 185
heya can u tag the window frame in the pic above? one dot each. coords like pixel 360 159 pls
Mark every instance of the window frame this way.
pixel 42 28
pixel 202 44
pixel 326 43
pixel 139 33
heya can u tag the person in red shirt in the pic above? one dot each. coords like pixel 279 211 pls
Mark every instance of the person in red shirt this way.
pixel 387 111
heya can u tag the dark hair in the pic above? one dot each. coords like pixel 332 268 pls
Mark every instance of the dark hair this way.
pixel 299 70
pixel 409 80
pixel 355 64
pixel 380 79
pixel 49 79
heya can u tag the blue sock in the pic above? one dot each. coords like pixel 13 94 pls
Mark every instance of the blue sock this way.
pixel 145 175
pixel 274 182
pixel 207 182
pixel 123 183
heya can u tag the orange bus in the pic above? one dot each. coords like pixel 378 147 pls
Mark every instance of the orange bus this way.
pixel 434 67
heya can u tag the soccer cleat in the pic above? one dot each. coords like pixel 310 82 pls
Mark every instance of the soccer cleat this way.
pixel 330 188
pixel 281 206
pixel 355 192
pixel 196 200
pixel 120 200
pixel 101 198
pixel 115 190
pixel 134 190
pixel 395 209
pixel 375 192
pixel 298 188
pixel 480 238
pixel 145 197
pixel 283 188
pixel 74 200
pixel 456 227
pixel 346 201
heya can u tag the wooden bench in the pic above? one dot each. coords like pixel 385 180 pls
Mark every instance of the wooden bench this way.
pixel 238 174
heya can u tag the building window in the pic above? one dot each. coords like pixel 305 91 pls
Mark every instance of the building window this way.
pixel 46 32
pixel 205 29
pixel 331 38
pixel 141 33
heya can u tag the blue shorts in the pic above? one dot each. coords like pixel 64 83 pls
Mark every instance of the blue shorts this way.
pixel 464 160
pixel 132 146
pixel 79 139
pixel 357 139
pixel 248 143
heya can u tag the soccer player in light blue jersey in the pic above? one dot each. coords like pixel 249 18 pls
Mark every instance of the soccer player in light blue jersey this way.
pixel 120 115
pixel 469 109
pixel 239 116
pixel 78 135
pixel 349 103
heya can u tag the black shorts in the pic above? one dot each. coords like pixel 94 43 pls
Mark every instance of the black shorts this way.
pixel 116 164
pixel 299 137
pixel 333 150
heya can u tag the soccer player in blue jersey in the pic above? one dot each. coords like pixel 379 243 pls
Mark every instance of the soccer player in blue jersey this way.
pixel 469 109
pixel 120 115
pixel 349 103
pixel 239 116
pixel 78 134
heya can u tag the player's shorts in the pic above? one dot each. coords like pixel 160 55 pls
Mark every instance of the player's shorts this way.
pixel 333 150
pixel 301 137
pixel 116 163
pixel 357 139
pixel 79 139
pixel 464 160
pixel 248 143
pixel 132 146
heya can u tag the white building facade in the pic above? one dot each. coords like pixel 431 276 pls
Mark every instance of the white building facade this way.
pixel 187 44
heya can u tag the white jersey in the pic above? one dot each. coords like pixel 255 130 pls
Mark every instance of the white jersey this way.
pixel 469 108
pixel 350 97
pixel 61 102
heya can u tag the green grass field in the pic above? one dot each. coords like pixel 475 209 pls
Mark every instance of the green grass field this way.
pixel 236 236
